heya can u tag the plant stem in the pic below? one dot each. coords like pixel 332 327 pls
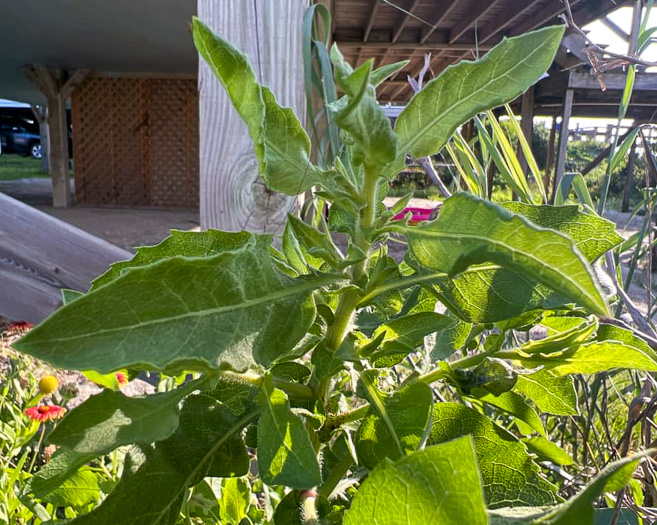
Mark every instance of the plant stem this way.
pixel 433 376
pixel 295 390
pixel 336 475
pixel 309 514
pixel 38 448
pixel 349 300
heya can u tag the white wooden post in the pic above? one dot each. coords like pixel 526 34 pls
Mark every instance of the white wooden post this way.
pixel 233 196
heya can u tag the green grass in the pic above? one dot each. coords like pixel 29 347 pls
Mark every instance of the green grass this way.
pixel 14 167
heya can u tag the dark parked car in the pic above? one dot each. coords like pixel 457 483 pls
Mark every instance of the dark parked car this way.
pixel 20 136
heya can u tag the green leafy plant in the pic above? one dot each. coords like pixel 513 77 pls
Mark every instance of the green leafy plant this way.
pixel 336 383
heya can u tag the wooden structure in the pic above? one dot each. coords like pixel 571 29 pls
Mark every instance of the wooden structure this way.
pixel 40 255
pixel 136 142
pixel 233 196
pixel 135 139
pixel 451 30
pixel 57 87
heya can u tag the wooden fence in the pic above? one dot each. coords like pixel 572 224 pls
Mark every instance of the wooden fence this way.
pixel 135 142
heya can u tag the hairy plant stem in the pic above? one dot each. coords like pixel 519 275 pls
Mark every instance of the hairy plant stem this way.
pixel 335 476
pixel 309 514
pixel 348 303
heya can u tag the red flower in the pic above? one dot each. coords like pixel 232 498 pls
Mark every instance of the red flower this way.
pixel 45 412
pixel 20 327
pixel 121 378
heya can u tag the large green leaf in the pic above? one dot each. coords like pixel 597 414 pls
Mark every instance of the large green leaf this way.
pixel 281 144
pixel 451 339
pixel 594 357
pixel 360 115
pixel 613 347
pixel 563 332
pixel 551 393
pixel 79 490
pixel 491 294
pixel 235 499
pixel 514 404
pixel 547 451
pixel 592 235
pixel 509 474
pixel 285 453
pixel 228 310
pixel 179 243
pixel 56 473
pixel 471 231
pixel 396 424
pixel 156 477
pixel 578 510
pixel 110 420
pixel 464 90
pixel 439 485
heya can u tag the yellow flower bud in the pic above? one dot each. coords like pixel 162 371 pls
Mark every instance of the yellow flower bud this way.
pixel 48 385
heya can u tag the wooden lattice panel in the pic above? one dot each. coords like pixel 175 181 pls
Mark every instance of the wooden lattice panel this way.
pixel 136 142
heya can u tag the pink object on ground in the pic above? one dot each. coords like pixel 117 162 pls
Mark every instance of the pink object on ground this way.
pixel 417 214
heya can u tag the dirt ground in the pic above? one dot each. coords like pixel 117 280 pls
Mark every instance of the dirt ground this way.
pixel 127 227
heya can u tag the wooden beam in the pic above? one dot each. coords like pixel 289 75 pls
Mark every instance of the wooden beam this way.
pixel 40 255
pixel 471 18
pixel 563 140
pixel 46 81
pixel 374 10
pixel 405 20
pixel 510 14
pixel 427 47
pixel 614 81
pixel 549 13
pixel 443 11
pixel 73 82
pixel 615 28
pixel 233 197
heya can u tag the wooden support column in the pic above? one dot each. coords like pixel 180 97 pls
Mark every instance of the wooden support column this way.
pixel 563 140
pixel 233 196
pixel 41 115
pixel 629 179
pixel 549 162
pixel 57 87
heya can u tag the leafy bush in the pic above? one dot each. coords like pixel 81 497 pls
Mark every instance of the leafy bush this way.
pixel 308 401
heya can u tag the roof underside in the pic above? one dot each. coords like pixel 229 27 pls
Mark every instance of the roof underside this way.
pixel 152 36
pixel 110 36
pixel 450 30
